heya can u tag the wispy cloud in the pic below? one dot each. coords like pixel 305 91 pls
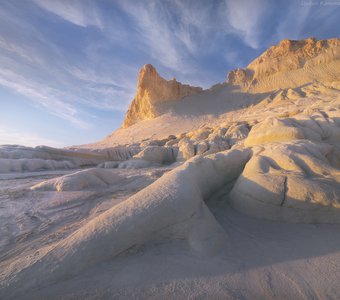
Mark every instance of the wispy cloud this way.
pixel 153 23
pixel 79 12
pixel 291 26
pixel 177 34
pixel 309 18
pixel 246 16
pixel 45 97
pixel 54 79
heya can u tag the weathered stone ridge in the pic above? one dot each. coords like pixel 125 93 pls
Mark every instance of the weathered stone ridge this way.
pixel 153 90
pixel 290 64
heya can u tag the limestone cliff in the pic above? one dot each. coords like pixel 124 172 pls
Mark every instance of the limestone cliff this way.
pixel 290 64
pixel 152 90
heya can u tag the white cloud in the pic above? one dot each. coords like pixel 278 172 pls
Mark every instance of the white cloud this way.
pixel 176 33
pixel 155 32
pixel 194 24
pixel 13 137
pixel 45 97
pixel 22 51
pixel 79 12
pixel 295 19
pixel 173 32
pixel 33 66
pixel 245 16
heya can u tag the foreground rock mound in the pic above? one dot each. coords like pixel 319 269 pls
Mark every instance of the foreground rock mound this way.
pixel 153 90
pixel 290 182
pixel 171 207
pixel 318 127
pixel 82 180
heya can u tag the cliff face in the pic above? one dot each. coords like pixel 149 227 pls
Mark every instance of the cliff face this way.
pixel 290 64
pixel 152 90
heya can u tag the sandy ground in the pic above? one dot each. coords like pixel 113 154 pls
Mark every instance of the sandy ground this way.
pixel 259 260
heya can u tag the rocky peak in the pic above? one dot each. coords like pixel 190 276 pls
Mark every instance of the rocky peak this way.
pixel 289 64
pixel 147 73
pixel 152 91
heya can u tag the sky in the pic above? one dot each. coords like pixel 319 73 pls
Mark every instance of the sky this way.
pixel 69 68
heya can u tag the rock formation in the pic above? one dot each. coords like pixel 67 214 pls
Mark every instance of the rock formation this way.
pixel 14 158
pixel 274 157
pixel 94 178
pixel 290 64
pixel 153 90
pixel 165 208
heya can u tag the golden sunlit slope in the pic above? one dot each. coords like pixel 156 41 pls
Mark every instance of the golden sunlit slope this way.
pixel 291 64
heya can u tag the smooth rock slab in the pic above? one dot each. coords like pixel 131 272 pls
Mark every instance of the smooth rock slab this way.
pixel 289 182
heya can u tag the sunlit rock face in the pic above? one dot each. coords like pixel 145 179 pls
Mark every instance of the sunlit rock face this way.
pixel 290 64
pixel 153 90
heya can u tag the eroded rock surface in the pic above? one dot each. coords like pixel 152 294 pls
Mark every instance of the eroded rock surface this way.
pixel 291 64
pixel 94 178
pixel 290 182
pixel 153 90
pixel 166 208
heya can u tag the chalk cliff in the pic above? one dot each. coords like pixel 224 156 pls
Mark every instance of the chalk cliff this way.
pixel 152 90
pixel 290 64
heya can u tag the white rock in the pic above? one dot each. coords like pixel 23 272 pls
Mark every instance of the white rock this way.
pixel 186 149
pixel 120 153
pixel 202 147
pixel 157 154
pixel 109 165
pixel 221 131
pixel 216 144
pixel 273 130
pixel 166 208
pixel 86 179
pixel 236 133
pixel 199 134
pixel 137 164
pixel 290 182
pixel 32 165
pixel 172 142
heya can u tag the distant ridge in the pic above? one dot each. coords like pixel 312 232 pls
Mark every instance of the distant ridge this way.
pixel 290 64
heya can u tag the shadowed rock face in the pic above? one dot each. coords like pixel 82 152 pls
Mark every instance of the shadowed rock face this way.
pixel 153 90
pixel 290 64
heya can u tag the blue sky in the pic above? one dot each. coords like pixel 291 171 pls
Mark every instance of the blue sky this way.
pixel 68 68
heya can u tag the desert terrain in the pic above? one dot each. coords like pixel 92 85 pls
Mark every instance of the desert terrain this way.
pixel 232 192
